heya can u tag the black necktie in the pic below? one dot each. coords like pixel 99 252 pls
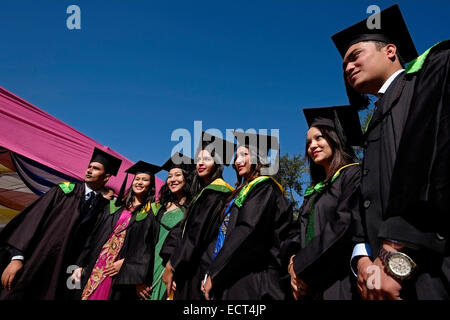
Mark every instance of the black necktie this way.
pixel 380 97
pixel 89 196
pixel 88 200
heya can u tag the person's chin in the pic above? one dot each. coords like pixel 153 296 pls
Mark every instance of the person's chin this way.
pixel 203 174
pixel 318 160
pixel 243 173
pixel 362 87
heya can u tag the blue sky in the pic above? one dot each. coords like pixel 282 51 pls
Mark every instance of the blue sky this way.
pixel 137 70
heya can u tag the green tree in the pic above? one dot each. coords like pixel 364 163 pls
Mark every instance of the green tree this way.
pixel 290 175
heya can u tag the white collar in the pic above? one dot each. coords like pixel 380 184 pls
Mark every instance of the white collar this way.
pixel 388 82
pixel 87 189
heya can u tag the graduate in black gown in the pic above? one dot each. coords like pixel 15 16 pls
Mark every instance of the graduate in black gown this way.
pixel 329 219
pixel 119 254
pixel 405 183
pixel 247 255
pixel 175 196
pixel 46 238
pixel 184 251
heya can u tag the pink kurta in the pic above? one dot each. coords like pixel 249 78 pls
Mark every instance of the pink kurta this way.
pixel 98 286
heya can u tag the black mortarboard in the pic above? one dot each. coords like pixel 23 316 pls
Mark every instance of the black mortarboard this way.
pixel 110 163
pixel 143 167
pixel 179 160
pixel 138 167
pixel 392 30
pixel 261 143
pixel 223 149
pixel 343 119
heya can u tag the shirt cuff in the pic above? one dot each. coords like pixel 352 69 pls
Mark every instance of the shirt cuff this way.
pixel 361 249
pixel 22 258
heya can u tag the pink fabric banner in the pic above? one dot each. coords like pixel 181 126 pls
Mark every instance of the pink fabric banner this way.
pixel 29 131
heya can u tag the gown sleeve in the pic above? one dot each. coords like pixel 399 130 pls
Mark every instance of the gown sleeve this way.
pixel 138 253
pixel 171 242
pixel 20 231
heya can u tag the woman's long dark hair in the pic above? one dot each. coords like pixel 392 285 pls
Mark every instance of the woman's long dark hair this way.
pixel 255 172
pixel 198 183
pixel 166 196
pixel 340 156
pixel 130 196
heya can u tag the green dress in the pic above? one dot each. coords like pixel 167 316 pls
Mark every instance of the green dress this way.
pixel 168 221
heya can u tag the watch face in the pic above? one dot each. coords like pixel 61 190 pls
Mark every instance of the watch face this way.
pixel 399 265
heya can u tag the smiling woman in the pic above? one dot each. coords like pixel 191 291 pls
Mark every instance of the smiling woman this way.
pixel 247 260
pixel 119 253
pixel 185 250
pixel 174 199
pixel 318 148
pixel 329 216
pixel 141 184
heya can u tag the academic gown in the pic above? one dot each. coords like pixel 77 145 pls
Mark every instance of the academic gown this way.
pixel 49 233
pixel 137 251
pixel 81 233
pixel 186 245
pixel 323 263
pixel 251 264
pixel 406 173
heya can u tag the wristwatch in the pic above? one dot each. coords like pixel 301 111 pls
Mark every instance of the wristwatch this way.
pixel 398 265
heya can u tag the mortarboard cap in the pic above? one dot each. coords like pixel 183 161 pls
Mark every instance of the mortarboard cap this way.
pixel 143 167
pixel 179 160
pixel 223 149
pixel 109 162
pixel 392 29
pixel 343 119
pixel 261 143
